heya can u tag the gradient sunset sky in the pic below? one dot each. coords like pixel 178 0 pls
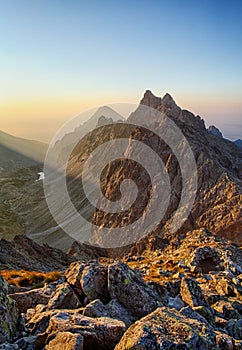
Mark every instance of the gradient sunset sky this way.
pixel 60 57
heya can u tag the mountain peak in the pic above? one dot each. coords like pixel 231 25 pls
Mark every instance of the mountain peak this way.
pixel 153 101
pixel 150 99
pixel 107 112
pixel 215 131
pixel 168 99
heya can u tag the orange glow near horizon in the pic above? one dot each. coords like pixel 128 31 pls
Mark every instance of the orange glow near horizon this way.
pixel 40 118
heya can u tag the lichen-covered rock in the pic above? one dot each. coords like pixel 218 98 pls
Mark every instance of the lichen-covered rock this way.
pixel 64 298
pixel 113 310
pixel 66 341
pixel 207 313
pixel 226 310
pixel 234 328
pixel 130 290
pixel 8 314
pixel 73 276
pixel 94 282
pixel 29 299
pixel 38 321
pixel 191 293
pixel 167 329
pixel 191 313
pixel 27 343
pixel 98 333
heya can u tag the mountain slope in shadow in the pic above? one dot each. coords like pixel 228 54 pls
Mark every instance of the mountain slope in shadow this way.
pixel 16 152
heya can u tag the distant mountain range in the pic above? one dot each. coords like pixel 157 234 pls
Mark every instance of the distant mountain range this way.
pixel 219 169
pixel 22 204
pixel 16 152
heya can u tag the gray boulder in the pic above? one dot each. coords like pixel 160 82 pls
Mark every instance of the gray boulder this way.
pixel 94 282
pixel 129 289
pixel 113 310
pixel 167 329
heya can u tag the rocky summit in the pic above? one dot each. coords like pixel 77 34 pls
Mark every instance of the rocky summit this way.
pixel 165 291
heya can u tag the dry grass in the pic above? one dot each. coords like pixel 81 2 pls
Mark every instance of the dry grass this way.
pixel 33 279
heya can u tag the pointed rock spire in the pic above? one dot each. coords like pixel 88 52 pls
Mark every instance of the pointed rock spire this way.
pixel 169 106
pixel 150 100
pixel 168 99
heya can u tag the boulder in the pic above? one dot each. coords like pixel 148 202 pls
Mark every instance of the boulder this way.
pixel 27 343
pixel 223 284
pixel 234 328
pixel 64 298
pixel 73 276
pixel 205 259
pixel 66 341
pixel 29 299
pixel 94 282
pixel 130 290
pixel 167 329
pixel 226 310
pixel 207 313
pixel 98 333
pixel 191 313
pixel 38 321
pixel 191 293
pixel 113 310
pixel 8 314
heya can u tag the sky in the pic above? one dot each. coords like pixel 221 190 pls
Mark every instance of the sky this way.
pixel 59 58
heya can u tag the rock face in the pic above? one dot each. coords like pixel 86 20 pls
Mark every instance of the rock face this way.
pixel 8 314
pixel 219 163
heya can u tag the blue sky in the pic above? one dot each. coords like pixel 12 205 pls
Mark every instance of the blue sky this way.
pixel 59 57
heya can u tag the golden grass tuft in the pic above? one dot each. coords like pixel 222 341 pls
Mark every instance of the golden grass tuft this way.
pixel 25 278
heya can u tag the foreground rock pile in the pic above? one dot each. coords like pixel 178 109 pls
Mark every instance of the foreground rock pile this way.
pixel 186 296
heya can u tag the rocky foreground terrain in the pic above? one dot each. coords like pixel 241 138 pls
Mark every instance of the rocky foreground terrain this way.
pixel 187 295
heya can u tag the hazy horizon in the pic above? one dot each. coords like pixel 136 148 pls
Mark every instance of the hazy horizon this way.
pixel 61 58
